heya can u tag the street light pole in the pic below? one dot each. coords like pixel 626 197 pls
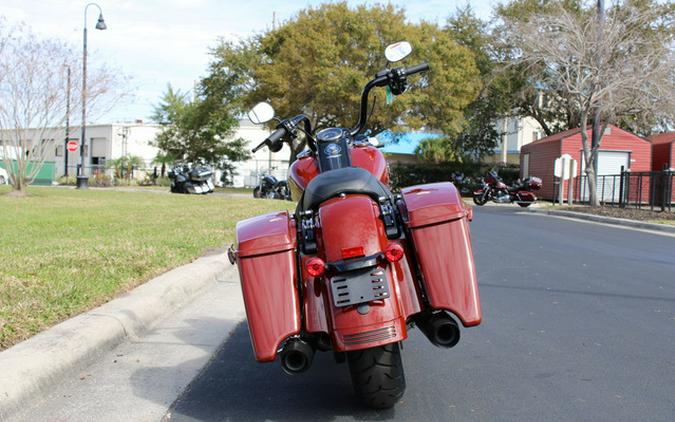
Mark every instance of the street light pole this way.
pixel 82 179
pixel 65 145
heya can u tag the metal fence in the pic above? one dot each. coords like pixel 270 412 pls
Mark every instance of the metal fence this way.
pixel 650 189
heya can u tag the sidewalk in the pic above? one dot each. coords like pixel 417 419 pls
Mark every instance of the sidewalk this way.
pixel 33 368
pixel 140 378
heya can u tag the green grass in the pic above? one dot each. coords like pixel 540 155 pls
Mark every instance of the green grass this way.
pixel 247 191
pixel 64 251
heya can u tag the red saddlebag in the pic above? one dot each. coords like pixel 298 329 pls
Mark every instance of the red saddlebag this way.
pixel 438 221
pixel 267 270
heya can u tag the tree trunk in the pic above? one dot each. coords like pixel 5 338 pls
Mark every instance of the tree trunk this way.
pixel 589 157
pixel 18 185
pixel 593 199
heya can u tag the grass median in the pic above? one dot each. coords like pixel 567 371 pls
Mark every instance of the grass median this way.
pixel 64 251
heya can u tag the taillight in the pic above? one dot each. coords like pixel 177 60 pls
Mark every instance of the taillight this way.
pixel 394 252
pixel 315 267
pixel 353 252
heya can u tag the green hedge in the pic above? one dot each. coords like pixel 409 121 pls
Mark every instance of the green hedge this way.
pixel 408 174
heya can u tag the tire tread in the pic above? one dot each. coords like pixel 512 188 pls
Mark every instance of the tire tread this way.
pixel 377 375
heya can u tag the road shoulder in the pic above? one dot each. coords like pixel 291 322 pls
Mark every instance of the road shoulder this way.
pixel 33 368
pixel 663 228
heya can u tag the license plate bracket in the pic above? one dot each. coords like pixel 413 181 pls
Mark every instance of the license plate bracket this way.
pixel 355 287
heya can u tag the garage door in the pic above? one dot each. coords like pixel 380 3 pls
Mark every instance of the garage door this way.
pixel 609 166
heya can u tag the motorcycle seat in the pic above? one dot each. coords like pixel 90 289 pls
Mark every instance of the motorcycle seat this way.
pixel 332 183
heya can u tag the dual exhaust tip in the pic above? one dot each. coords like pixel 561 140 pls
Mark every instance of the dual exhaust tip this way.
pixel 440 328
pixel 296 356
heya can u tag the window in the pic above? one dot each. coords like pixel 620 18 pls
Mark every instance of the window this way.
pixel 59 151
pixel 535 135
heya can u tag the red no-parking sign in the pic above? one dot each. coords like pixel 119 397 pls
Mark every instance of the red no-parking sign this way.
pixel 72 146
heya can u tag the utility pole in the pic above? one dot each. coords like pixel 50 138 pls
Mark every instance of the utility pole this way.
pixel 595 134
pixel 65 143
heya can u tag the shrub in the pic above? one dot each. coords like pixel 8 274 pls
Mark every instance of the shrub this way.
pixel 67 180
pixel 408 174
pixel 100 180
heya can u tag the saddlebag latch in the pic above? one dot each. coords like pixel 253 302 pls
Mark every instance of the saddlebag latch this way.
pixel 307 234
pixel 389 218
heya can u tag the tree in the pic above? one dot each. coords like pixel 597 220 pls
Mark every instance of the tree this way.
pixel 123 167
pixel 478 136
pixel 520 84
pixel 319 61
pixel 198 130
pixel 615 68
pixel 33 98
pixel 164 159
pixel 437 150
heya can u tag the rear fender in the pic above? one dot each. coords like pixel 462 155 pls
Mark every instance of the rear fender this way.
pixel 353 221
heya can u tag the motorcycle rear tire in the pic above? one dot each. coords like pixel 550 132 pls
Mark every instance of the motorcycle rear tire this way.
pixel 524 204
pixel 377 375
pixel 479 199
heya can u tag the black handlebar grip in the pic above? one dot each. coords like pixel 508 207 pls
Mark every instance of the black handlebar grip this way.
pixel 271 140
pixel 417 69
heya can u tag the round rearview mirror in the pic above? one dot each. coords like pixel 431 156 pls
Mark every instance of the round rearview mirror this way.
pixel 397 51
pixel 261 113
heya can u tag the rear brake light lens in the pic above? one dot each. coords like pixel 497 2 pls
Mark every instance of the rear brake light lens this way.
pixel 394 252
pixel 353 252
pixel 315 267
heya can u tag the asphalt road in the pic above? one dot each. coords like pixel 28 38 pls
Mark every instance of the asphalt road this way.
pixel 579 324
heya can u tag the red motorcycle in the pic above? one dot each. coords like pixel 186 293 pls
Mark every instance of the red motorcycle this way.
pixel 494 189
pixel 355 266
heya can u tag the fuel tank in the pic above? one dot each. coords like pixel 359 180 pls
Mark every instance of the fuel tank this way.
pixel 306 167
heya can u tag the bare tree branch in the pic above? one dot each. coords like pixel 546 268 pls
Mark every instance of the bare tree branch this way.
pixel 33 98
pixel 615 68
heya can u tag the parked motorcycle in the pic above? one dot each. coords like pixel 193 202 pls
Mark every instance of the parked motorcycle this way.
pixel 494 189
pixel 191 180
pixel 355 267
pixel 272 188
pixel 462 182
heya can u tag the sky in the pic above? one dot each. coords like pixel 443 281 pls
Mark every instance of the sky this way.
pixel 160 42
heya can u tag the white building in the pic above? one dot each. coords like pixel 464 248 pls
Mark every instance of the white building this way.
pixel 517 131
pixel 106 142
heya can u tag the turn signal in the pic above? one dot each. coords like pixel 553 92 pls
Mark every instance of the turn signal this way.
pixel 394 252
pixel 315 267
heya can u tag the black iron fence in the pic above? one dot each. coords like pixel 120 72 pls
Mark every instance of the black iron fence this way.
pixel 650 189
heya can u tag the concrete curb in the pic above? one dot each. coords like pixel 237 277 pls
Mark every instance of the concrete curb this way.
pixel 34 366
pixel 607 220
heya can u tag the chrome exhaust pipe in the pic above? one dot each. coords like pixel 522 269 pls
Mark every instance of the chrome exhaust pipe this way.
pixel 440 328
pixel 296 356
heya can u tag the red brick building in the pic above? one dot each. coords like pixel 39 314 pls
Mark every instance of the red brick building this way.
pixel 618 148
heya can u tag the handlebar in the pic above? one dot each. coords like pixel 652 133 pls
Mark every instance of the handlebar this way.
pixel 423 67
pixel 270 140
pixel 388 77
pixel 394 78
pixel 286 127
